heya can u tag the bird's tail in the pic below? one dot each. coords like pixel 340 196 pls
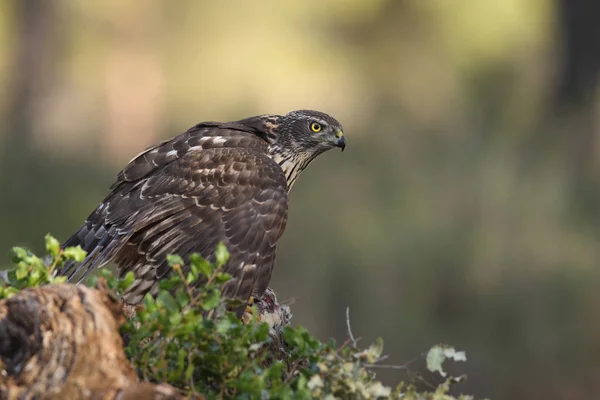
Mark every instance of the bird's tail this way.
pixel 99 241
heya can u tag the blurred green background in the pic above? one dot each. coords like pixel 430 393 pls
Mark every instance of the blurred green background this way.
pixel 465 209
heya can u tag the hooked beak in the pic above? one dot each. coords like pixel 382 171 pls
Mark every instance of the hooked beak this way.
pixel 340 140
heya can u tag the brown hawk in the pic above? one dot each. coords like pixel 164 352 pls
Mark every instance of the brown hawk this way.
pixel 215 182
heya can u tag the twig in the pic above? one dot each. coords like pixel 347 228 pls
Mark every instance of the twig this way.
pixel 405 367
pixel 192 384
pixel 386 366
pixel 55 262
pixel 346 343
pixel 348 325
pixel 382 358
pixel 188 289
pixel 291 371
pixel 207 284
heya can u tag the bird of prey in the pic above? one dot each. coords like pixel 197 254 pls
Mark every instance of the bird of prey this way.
pixel 215 182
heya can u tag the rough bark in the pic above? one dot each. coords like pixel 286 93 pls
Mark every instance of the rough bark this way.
pixel 62 342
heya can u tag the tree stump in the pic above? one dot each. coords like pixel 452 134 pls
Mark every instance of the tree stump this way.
pixel 62 342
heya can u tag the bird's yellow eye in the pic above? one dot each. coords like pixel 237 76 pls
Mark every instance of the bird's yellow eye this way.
pixel 316 127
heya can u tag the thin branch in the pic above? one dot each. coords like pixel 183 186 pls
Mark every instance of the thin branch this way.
pixel 346 343
pixel 55 262
pixel 348 325
pixel 382 358
pixel 192 384
pixel 386 366
pixel 188 289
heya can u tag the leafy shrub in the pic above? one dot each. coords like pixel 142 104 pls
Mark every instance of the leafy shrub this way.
pixel 189 339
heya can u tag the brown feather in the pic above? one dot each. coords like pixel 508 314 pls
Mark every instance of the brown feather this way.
pixel 215 182
pixel 184 196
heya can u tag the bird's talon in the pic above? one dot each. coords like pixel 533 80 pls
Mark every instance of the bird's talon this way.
pixel 249 311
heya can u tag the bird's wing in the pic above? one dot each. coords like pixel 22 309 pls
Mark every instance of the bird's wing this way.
pixel 184 196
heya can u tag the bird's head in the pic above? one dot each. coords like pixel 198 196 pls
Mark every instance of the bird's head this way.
pixel 311 132
pixel 297 138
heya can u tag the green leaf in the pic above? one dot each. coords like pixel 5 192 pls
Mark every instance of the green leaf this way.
pixel 261 331
pixel 52 245
pixel 8 292
pixel 169 283
pixel 438 354
pixel 60 279
pixel 76 254
pixel 224 325
pixel 164 298
pixel 222 277
pixel 126 281
pixel 22 271
pixel 275 370
pixel 175 317
pixel 200 266
pixel 111 281
pixel 174 259
pixel 302 381
pixel 190 278
pixel 89 281
pixel 34 276
pixel 182 297
pixel 12 278
pixel 374 351
pixel 189 371
pixel 221 254
pixel 18 254
pixel 211 300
